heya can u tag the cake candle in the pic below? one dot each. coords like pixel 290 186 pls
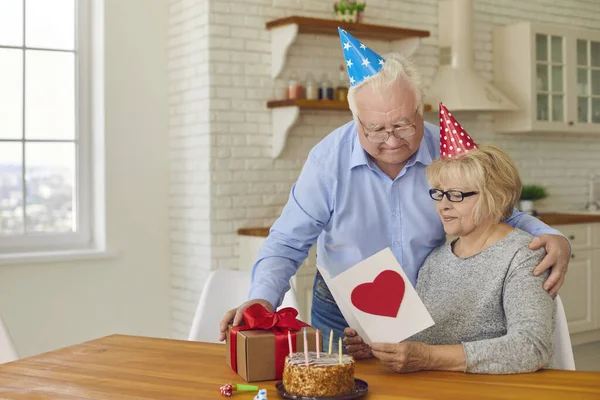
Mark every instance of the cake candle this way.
pixel 290 342
pixel 340 349
pixel 330 340
pixel 305 347
pixel 317 344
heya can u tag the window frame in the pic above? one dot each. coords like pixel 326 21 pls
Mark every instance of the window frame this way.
pixel 83 206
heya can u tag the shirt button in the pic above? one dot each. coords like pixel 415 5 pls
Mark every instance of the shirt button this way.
pixel 396 244
pixel 395 214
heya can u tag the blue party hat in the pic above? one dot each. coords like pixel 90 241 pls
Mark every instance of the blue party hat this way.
pixel 361 61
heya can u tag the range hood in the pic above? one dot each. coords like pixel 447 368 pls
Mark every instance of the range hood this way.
pixel 456 83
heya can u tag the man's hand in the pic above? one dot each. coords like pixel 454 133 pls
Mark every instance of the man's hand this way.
pixel 235 315
pixel 557 257
pixel 355 346
pixel 403 357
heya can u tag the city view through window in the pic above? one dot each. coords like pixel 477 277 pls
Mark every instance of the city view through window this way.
pixel 38 135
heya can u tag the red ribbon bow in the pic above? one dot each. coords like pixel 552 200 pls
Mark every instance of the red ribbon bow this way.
pixel 280 322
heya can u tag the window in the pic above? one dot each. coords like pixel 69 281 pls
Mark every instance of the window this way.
pixel 588 81
pixel 45 169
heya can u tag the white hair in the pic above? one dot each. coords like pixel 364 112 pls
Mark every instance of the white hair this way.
pixel 396 68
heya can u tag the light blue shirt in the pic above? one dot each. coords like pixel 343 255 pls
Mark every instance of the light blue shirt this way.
pixel 355 210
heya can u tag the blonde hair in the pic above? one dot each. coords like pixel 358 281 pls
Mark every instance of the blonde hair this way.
pixel 396 68
pixel 491 173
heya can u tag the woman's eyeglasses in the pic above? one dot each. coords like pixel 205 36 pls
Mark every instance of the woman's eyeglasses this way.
pixel 455 196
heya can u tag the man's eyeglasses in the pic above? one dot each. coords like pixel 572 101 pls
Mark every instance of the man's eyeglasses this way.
pixel 382 136
pixel 455 196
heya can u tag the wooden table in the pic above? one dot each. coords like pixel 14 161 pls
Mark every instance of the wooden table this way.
pixel 129 367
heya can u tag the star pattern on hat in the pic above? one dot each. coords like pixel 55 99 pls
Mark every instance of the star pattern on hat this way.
pixel 452 144
pixel 361 62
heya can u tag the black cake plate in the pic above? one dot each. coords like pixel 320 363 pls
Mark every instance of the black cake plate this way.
pixel 361 386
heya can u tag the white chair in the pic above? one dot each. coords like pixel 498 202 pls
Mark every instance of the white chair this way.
pixel 8 352
pixel 563 351
pixel 225 289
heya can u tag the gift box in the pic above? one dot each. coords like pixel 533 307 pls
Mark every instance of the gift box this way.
pixel 257 350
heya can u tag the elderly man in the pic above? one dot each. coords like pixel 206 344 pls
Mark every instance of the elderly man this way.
pixel 363 188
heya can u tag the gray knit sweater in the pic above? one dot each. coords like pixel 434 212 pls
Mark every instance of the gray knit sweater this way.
pixel 492 304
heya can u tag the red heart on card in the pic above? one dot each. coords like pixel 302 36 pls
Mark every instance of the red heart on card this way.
pixel 382 297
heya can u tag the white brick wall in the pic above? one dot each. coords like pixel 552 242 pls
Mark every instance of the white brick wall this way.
pixel 223 176
pixel 190 148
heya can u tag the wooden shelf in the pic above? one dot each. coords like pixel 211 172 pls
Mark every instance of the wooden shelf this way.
pixel 285 30
pixel 256 231
pixel 361 31
pixel 311 104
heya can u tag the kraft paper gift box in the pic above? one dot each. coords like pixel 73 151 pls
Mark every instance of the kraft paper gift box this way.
pixel 257 350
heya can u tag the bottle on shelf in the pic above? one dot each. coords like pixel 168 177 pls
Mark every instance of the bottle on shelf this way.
pixel 341 91
pixel 326 89
pixel 312 92
pixel 294 89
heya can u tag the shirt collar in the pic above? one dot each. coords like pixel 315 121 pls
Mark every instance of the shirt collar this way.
pixel 359 155
pixel 423 154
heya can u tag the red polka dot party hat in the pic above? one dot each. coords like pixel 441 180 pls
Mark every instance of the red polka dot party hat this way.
pixel 454 140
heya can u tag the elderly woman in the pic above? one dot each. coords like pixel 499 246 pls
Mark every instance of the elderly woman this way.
pixel 491 313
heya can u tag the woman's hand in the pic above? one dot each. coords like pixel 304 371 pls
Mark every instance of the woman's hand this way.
pixel 355 346
pixel 403 357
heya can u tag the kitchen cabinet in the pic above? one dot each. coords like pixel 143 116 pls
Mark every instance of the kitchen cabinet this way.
pixel 552 73
pixel 581 291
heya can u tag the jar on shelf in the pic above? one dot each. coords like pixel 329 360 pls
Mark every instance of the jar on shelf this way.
pixel 294 89
pixel 341 91
pixel 312 91
pixel 326 90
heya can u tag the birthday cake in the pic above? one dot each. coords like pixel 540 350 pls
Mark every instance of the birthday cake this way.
pixel 324 376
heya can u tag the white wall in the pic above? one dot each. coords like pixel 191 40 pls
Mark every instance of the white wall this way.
pixel 47 306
